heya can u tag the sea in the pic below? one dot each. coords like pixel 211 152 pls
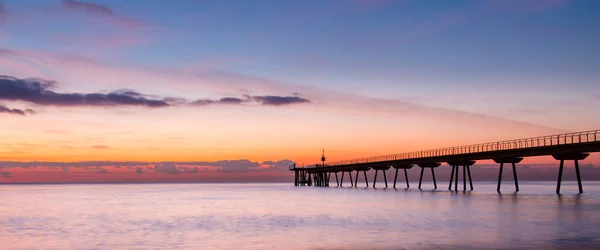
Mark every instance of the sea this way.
pixel 282 216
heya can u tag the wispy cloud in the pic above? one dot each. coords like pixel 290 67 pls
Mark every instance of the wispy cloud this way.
pixel 92 8
pixel 324 100
pixel 100 11
pixel 279 100
pixel 268 100
pixel 4 109
pixel 228 166
pixel 39 92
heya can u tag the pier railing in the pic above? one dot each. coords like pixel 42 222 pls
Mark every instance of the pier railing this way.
pixel 541 141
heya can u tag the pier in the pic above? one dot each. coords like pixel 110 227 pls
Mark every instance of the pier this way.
pixel 562 147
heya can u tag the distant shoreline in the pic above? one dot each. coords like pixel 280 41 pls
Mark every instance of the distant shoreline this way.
pixel 291 183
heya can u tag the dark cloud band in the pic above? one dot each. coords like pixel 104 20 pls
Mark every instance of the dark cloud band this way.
pixel 15 111
pixel 88 7
pixel 279 100
pixel 267 100
pixel 39 92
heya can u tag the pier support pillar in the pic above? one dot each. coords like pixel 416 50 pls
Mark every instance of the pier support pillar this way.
pixel 454 167
pixel 336 179
pixel 349 174
pixel 364 170
pixel 406 178
pixel 383 169
pixel 375 179
pixel 513 161
pixel 466 169
pixel 395 178
pixel 575 157
pixel 430 165
pixel 296 178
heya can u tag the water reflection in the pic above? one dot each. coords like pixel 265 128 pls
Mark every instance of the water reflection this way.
pixel 259 216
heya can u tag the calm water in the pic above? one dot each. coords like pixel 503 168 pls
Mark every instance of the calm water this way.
pixel 281 216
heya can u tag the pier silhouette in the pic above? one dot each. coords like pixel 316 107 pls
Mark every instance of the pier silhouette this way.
pixel 562 147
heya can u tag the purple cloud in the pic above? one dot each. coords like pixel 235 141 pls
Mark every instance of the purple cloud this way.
pixel 231 165
pixel 266 100
pixel 38 92
pixel 279 100
pixel 16 111
pixel 167 167
pixel 230 100
pixel 100 11
pixel 282 165
pixel 91 8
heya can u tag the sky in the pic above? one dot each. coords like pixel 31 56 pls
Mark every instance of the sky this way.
pixel 188 89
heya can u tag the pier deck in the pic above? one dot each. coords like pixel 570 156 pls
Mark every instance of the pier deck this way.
pixel 563 147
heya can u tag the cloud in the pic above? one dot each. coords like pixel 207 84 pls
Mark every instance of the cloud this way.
pixel 230 100
pixel 282 165
pixel 101 147
pixel 190 170
pixel 7 51
pixel 279 100
pixel 38 91
pixel 15 111
pixel 100 11
pixel 325 100
pixel 5 174
pixel 266 100
pixel 169 168
pixel 241 165
pixel 92 8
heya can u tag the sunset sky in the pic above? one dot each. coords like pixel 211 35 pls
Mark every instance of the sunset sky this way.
pixel 222 86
